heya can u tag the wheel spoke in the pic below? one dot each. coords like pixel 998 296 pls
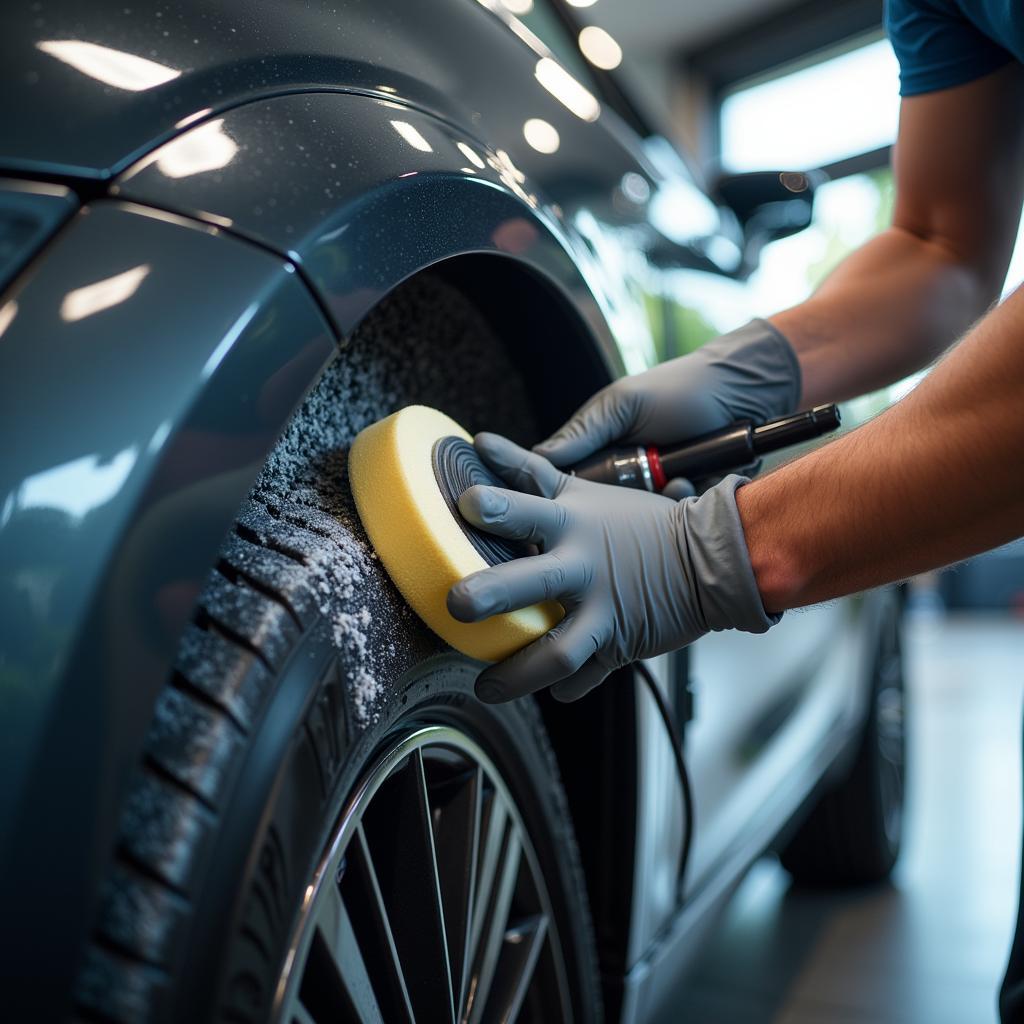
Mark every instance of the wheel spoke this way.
pixel 493 923
pixel 300 1015
pixel 400 838
pixel 335 984
pixel 493 823
pixel 517 960
pixel 361 893
pixel 456 840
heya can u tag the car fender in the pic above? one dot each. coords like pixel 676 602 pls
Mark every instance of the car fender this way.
pixel 147 366
pixel 360 193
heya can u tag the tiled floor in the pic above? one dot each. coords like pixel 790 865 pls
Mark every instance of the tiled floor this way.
pixel 930 948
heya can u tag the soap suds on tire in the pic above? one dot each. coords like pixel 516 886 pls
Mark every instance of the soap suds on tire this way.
pixel 425 344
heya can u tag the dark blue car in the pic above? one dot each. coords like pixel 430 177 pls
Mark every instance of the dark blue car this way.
pixel 239 780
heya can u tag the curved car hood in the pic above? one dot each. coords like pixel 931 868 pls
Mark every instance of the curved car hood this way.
pixel 90 87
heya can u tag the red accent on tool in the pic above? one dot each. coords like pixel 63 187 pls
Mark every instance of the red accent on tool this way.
pixel 657 473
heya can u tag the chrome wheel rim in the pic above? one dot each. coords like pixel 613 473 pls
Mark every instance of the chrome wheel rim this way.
pixel 428 904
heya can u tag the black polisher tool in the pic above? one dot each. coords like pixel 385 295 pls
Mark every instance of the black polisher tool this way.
pixel 713 454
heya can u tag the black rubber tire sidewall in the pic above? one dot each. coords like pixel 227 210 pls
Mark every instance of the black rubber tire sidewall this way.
pixel 273 832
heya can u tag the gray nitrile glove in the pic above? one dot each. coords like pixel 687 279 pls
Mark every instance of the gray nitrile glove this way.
pixel 637 573
pixel 750 373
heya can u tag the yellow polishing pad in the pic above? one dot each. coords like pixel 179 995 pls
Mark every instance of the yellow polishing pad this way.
pixel 422 545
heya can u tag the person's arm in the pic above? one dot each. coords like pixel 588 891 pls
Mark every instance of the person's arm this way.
pixel 890 308
pixel 901 299
pixel 936 478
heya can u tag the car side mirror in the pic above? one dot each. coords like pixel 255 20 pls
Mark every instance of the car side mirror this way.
pixel 768 205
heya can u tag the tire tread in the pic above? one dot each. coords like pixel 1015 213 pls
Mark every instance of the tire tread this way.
pixel 242 631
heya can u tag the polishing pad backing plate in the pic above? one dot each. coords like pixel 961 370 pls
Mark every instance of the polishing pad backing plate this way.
pixel 417 538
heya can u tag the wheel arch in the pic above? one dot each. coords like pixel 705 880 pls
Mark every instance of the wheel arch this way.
pixel 544 335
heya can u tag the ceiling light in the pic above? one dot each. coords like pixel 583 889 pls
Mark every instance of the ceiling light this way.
pixel 600 48
pixel 541 135
pixel 470 154
pixel 206 148
pixel 532 40
pixel 566 89
pixel 518 6
pixel 7 314
pixel 196 115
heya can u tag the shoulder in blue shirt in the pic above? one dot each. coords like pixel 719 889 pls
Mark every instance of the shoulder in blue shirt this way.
pixel 943 43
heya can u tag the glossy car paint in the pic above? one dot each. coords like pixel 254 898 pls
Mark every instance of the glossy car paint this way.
pixel 357 217
pixel 30 212
pixel 232 123
pixel 148 363
pixel 94 87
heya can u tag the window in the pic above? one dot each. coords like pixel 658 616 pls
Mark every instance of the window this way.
pixel 847 213
pixel 816 115
pixel 840 112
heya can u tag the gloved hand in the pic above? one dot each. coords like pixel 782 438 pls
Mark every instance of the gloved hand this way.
pixel 637 573
pixel 750 373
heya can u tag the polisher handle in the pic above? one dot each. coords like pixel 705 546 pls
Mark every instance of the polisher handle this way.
pixel 711 454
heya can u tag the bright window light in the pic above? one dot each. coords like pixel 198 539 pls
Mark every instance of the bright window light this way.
pixel 847 213
pixel 837 108
pixel 79 486
pixel 1015 274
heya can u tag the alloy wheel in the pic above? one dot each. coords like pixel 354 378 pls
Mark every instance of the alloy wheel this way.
pixel 428 904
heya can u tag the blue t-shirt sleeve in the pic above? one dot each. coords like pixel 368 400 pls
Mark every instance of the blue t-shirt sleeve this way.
pixel 937 47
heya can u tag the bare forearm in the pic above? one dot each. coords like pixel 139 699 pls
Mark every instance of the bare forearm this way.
pixel 936 478
pixel 889 309
pixel 900 300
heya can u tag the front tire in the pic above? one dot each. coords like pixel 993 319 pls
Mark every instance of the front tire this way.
pixel 436 841
pixel 303 672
